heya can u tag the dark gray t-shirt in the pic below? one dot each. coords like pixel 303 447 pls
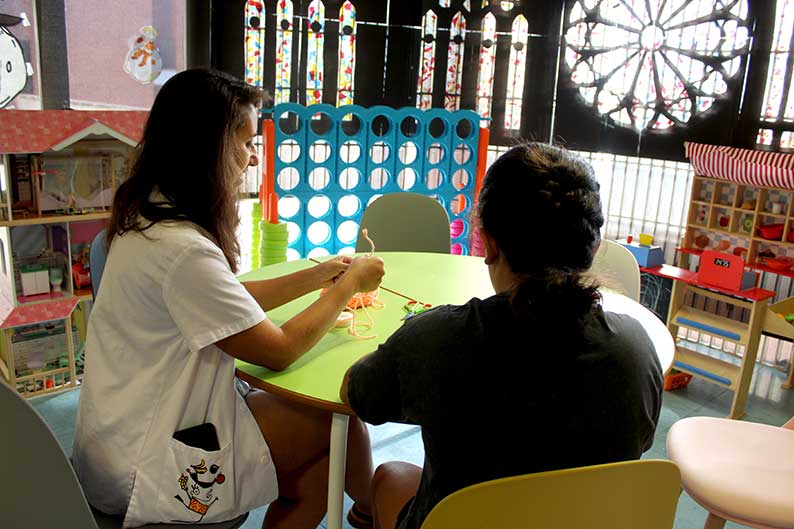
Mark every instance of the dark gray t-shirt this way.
pixel 496 397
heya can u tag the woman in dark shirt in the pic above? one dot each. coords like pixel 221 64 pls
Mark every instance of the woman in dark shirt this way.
pixel 537 377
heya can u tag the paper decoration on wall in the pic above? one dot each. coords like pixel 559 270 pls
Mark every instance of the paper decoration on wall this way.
pixel 347 55
pixel 15 69
pixel 254 42
pixel 515 73
pixel 427 58
pixel 143 61
pixel 283 50
pixel 316 44
pixel 487 60
pixel 457 36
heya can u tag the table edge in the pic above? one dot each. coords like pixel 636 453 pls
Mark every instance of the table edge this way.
pixel 335 407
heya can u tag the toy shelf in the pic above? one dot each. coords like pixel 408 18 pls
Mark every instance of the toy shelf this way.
pixel 55 219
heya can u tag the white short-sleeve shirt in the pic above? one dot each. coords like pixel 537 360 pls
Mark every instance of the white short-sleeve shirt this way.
pixel 167 296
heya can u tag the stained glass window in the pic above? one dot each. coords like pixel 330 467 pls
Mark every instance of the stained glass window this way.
pixel 778 106
pixel 315 46
pixel 787 140
pixel 427 58
pixel 515 73
pixel 347 55
pixel 487 60
pixel 467 5
pixel 652 65
pixel 254 41
pixel 764 137
pixel 443 3
pixel 457 37
pixel 283 50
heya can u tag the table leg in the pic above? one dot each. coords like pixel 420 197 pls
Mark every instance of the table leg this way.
pixel 336 470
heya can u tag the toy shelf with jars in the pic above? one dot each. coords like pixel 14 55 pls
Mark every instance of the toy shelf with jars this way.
pixel 58 173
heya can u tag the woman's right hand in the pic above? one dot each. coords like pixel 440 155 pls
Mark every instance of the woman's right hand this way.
pixel 365 273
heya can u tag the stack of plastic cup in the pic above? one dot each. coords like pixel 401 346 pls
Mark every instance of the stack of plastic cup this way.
pixel 273 247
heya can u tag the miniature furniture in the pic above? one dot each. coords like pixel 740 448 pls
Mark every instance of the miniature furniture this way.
pixel 433 278
pixel 624 495
pixel 613 262
pixel 405 222
pixel 738 471
pixel 97 258
pixel 30 448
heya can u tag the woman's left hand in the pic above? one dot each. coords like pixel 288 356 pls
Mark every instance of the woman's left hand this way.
pixel 329 271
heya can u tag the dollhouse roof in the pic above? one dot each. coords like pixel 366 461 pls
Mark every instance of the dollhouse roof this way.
pixel 35 312
pixel 38 131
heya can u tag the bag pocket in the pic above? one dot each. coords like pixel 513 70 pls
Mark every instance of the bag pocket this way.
pixel 197 486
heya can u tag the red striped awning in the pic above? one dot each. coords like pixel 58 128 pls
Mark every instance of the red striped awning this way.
pixel 746 166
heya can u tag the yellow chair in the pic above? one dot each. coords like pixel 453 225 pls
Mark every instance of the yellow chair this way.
pixel 627 495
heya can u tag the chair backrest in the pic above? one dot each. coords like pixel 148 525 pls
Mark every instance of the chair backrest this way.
pixel 625 495
pixel 615 263
pixel 406 222
pixel 45 490
pixel 96 260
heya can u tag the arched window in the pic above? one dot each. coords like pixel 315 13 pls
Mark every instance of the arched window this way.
pixel 254 42
pixel 283 50
pixel 487 61
pixel 316 44
pixel 427 61
pixel 347 55
pixel 515 73
pixel 778 106
pixel 457 37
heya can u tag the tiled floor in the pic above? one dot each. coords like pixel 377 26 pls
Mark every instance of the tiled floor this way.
pixel 768 404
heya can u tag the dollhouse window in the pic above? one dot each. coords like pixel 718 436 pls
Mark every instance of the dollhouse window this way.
pixel 649 66
pixel 515 74
pixel 487 61
pixel 457 38
pixel 778 103
pixel 254 42
pixel 315 46
pixel 427 58
pixel 347 55
pixel 283 50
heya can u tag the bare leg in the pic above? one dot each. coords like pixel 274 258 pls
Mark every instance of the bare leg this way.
pixel 298 437
pixel 393 485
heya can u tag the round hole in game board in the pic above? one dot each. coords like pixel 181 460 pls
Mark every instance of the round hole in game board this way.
pixel 350 151
pixel 464 129
pixel 458 204
pixel 348 205
pixel 293 254
pixel 319 178
pixel 289 123
pixel 435 153
pixel 288 178
pixel 321 123
pixel 347 250
pixel 318 233
pixel 460 179
pixel 289 151
pixel 459 249
pixel 406 179
pixel 288 206
pixel 462 154
pixel 349 178
pixel 407 153
pixel 351 124
pixel 319 206
pixel 320 151
pixel 378 178
pixel 458 228
pixel 379 152
pixel 317 252
pixel 293 232
pixel 409 126
pixel 434 178
pixel 439 199
pixel 372 199
pixel 381 125
pixel 347 232
pixel 437 127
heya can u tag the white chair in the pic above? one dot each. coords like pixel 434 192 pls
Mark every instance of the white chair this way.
pixel 405 222
pixel 613 263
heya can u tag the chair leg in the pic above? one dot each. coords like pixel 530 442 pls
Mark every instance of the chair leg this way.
pixel 714 522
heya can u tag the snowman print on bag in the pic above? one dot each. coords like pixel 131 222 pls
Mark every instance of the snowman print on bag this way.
pixel 143 62
pixel 13 67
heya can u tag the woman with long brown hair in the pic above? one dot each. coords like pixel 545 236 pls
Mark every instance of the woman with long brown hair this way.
pixel 165 433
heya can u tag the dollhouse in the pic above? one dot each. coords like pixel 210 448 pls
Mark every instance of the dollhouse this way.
pixel 59 170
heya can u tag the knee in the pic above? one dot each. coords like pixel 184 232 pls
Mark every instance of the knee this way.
pixel 395 474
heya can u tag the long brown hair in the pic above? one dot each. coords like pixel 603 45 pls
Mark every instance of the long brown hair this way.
pixel 185 166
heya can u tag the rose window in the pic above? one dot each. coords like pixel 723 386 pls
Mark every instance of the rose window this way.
pixel 652 64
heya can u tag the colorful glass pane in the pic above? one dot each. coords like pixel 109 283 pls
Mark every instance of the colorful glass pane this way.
pixel 427 58
pixel 467 5
pixel 764 137
pixel 779 57
pixel 345 81
pixel 283 50
pixel 652 65
pixel 487 61
pixel 515 73
pixel 457 37
pixel 314 53
pixel 254 42
pixel 443 3
pixel 787 140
